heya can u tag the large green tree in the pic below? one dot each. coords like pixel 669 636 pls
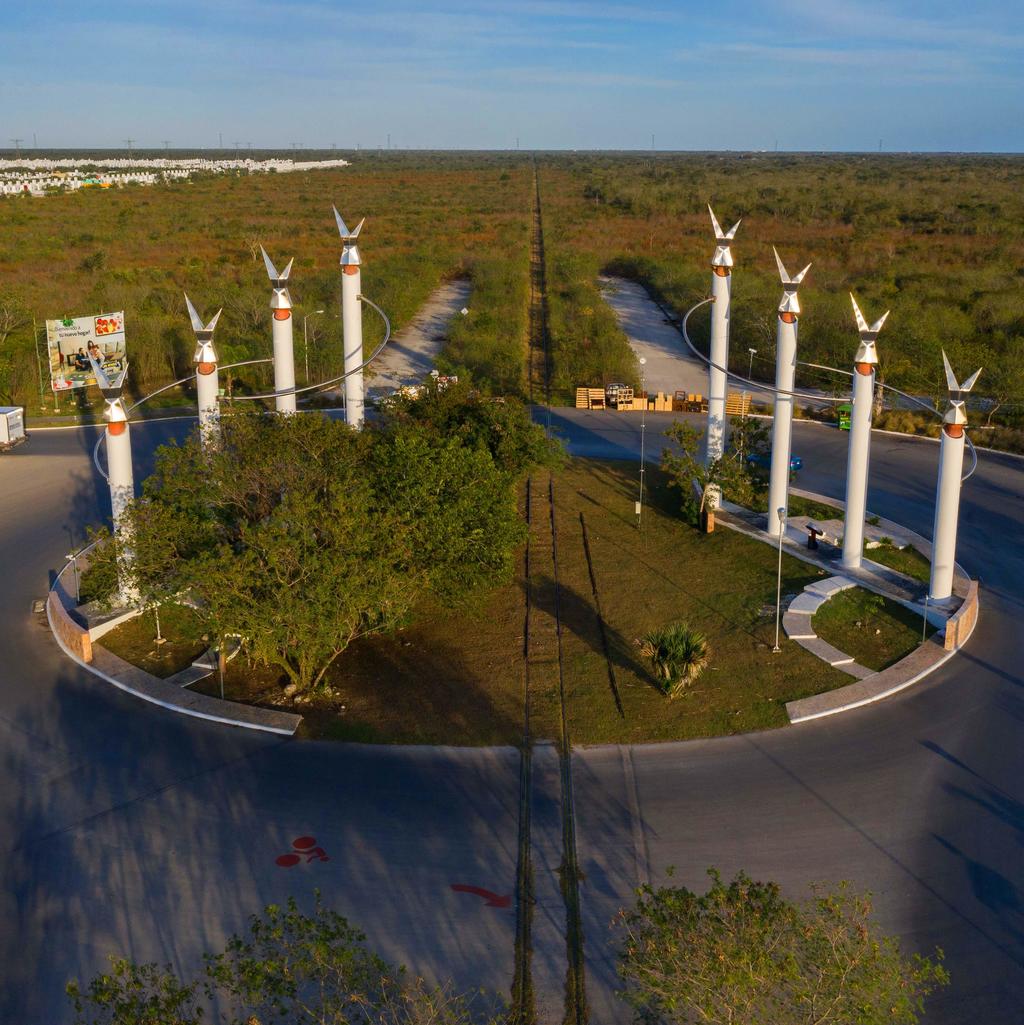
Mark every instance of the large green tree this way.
pixel 742 953
pixel 300 535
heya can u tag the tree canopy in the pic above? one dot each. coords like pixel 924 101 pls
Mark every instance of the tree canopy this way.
pixel 290 968
pixel 743 953
pixel 300 535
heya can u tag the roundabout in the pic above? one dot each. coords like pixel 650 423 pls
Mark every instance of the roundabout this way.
pixel 135 831
pixel 154 836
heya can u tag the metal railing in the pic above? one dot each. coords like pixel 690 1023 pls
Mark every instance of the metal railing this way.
pixel 838 400
pixel 320 386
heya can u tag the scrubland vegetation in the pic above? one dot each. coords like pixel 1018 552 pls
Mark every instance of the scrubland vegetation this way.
pixel 938 240
pixel 139 249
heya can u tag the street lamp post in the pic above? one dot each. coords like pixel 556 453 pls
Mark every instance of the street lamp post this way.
pixel 72 557
pixel 781 511
pixel 746 401
pixel 643 432
pixel 305 341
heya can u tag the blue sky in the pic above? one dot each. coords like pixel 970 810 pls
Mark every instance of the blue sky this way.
pixel 737 74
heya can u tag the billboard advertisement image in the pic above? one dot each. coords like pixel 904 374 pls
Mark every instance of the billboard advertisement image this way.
pixel 72 340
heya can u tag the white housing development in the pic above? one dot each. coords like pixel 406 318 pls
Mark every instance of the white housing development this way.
pixel 785 379
pixel 284 345
pixel 947 491
pixel 351 321
pixel 207 378
pixel 859 454
pixel 721 294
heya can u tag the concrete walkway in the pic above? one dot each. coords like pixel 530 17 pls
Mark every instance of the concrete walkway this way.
pixel 409 356
pixel 797 622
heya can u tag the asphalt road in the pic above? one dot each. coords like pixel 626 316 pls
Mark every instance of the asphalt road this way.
pixel 130 830
pixel 918 798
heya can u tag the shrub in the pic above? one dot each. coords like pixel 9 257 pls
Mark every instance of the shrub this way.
pixel 678 654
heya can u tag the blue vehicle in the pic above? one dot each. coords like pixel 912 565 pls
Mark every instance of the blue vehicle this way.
pixel 763 461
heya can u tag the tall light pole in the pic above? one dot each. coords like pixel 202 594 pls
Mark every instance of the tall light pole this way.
pixel 305 341
pixel 781 513
pixel 785 378
pixel 750 377
pixel 721 295
pixel 947 490
pixel 207 378
pixel 859 453
pixel 643 435
pixel 351 321
pixel 284 344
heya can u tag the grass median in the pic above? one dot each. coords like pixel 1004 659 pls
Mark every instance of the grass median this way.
pixel 875 631
pixel 457 676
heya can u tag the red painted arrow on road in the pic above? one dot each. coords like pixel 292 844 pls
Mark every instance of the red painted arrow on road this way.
pixel 493 900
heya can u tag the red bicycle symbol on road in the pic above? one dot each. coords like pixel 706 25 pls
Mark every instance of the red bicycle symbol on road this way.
pixel 304 845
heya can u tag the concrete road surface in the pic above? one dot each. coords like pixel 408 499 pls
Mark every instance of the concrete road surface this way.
pixel 409 356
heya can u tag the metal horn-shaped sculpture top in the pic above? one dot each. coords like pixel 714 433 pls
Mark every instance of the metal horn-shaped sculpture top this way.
pixel 281 299
pixel 205 352
pixel 723 255
pixel 866 351
pixel 790 302
pixel 349 250
pixel 957 412
pixel 111 389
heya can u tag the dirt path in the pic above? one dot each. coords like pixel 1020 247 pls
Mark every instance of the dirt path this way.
pixel 670 365
pixel 410 355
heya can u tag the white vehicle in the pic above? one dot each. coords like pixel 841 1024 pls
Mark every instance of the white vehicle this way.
pixel 12 427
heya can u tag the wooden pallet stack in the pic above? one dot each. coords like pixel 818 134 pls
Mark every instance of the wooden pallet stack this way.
pixel 737 403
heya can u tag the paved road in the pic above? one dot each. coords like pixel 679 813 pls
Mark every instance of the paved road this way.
pixel 129 830
pixel 919 798
pixel 135 831
pixel 670 364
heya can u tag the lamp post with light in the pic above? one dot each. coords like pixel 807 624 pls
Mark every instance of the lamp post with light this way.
pixel 643 433
pixel 305 341
pixel 781 512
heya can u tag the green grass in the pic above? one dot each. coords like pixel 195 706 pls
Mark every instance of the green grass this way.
pixel 135 642
pixel 904 560
pixel 874 630
pixel 457 676
pixel 800 506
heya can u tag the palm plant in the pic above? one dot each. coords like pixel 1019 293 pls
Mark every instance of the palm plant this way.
pixel 678 654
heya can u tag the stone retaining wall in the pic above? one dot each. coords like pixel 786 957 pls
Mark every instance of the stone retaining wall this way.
pixel 961 624
pixel 69 633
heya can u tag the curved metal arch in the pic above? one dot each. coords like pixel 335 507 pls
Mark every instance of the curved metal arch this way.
pixel 269 395
pixel 764 386
pixel 334 380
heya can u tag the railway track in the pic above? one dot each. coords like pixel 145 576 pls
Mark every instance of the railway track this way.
pixel 543 674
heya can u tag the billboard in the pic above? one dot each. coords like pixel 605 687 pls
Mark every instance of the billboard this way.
pixel 72 340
